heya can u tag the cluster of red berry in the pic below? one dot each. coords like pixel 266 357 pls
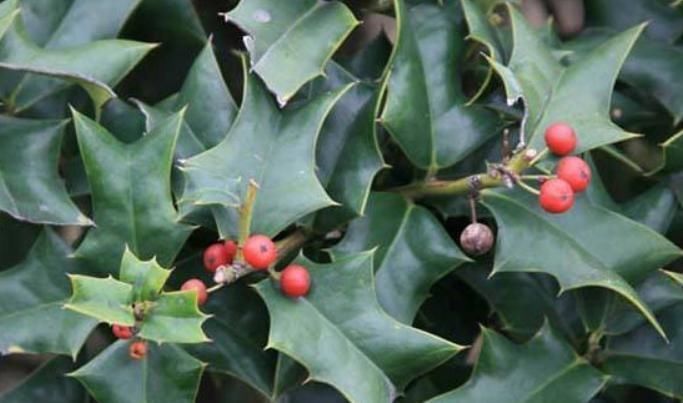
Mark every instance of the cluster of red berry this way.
pixel 138 348
pixel 572 173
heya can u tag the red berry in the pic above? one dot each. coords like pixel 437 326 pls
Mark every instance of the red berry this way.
pixel 122 332
pixel 575 171
pixel 137 350
pixel 231 249
pixel 295 281
pixel 560 138
pixel 259 252
pixel 198 286
pixel 556 196
pixel 216 256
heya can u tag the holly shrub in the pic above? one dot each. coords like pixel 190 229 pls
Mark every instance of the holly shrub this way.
pixel 326 201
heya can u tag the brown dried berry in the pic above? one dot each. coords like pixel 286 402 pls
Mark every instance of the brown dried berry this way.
pixel 476 239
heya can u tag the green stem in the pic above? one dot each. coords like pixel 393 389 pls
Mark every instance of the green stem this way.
pixel 462 186
pixel 246 212
pixel 528 188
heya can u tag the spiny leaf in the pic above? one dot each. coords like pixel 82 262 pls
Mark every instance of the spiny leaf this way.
pixel 146 277
pixel 47 384
pixel 105 299
pixel 545 369
pixel 413 253
pixel 672 155
pixel 425 108
pixel 290 43
pixel 342 309
pixel 96 66
pixel 642 358
pixel 31 298
pixel 30 187
pixel 131 194
pixel 165 374
pixel 578 94
pixel 273 147
pixel 174 317
pixel 577 248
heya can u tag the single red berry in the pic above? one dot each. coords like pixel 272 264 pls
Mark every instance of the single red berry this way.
pixel 560 138
pixel 295 281
pixel 259 252
pixel 198 286
pixel 575 171
pixel 215 256
pixel 476 239
pixel 122 332
pixel 556 196
pixel 231 249
pixel 137 350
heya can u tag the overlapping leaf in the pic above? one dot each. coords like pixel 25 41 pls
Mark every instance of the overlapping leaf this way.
pixel 31 298
pixel 290 43
pixel 47 384
pixel 577 248
pixel 96 66
pixel 342 312
pixel 349 130
pixel 413 253
pixel 425 108
pixel 167 317
pixel 30 187
pixel 273 147
pixel 672 155
pixel 131 194
pixel 578 94
pixel 165 374
pixel 642 358
pixel 545 369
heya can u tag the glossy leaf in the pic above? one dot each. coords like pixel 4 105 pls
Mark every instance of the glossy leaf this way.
pixel 32 293
pixel 37 194
pixel 96 66
pixel 672 155
pixel 350 129
pixel 577 248
pixel 654 208
pixel 47 384
pixel 641 357
pixel 413 252
pixel 578 94
pixel 545 369
pixel 105 299
pixel 210 107
pixel 342 310
pixel 666 19
pixel 273 147
pixel 131 194
pixel 165 374
pixel 239 332
pixel 174 317
pixel 290 44
pixel 425 108
pixel 60 24
pixel 146 277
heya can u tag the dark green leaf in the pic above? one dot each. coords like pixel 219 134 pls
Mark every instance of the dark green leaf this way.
pixel 578 94
pixel 290 44
pixel 131 195
pixel 577 248
pixel 425 108
pixel 672 155
pixel 343 310
pixel 48 384
pixel 545 369
pixel 30 187
pixel 655 208
pixel 239 332
pixel 166 374
pixel 414 252
pixel 641 357
pixel 273 147
pixel 666 21
pixel 32 295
